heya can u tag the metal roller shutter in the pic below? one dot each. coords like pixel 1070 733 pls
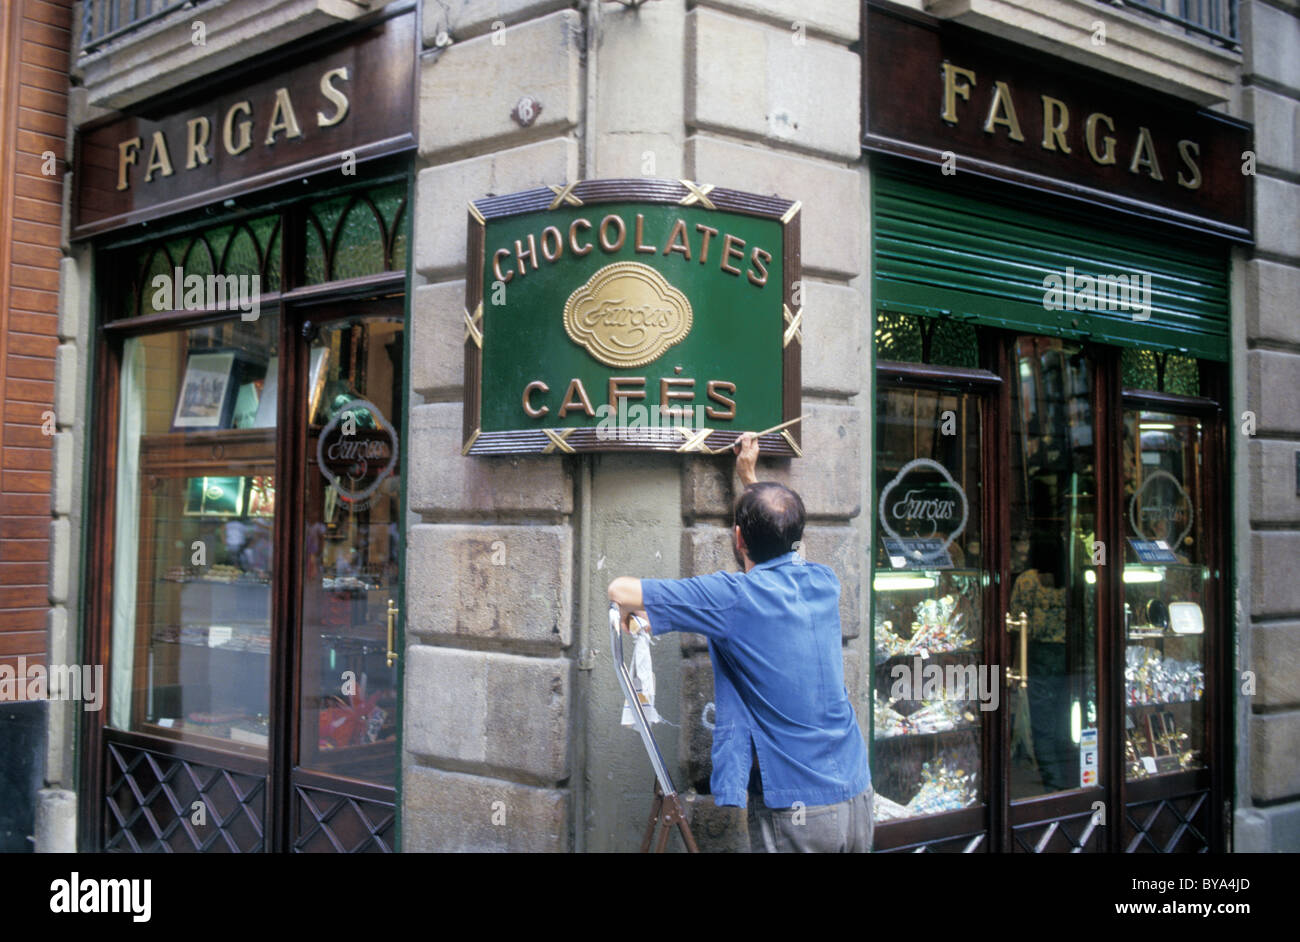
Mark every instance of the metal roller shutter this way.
pixel 939 252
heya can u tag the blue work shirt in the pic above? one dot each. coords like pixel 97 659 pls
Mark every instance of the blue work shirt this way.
pixel 778 679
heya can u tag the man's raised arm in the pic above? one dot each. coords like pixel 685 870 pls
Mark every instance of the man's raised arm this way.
pixel 747 458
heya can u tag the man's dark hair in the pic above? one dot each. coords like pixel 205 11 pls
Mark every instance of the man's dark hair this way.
pixel 771 518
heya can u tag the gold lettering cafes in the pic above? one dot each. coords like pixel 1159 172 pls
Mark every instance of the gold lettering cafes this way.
pixel 241 126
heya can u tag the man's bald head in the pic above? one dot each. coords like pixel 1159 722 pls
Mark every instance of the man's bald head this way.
pixel 771 519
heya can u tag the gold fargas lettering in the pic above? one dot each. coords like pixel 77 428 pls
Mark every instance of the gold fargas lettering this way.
pixel 612 234
pixel 236 129
pixel 1092 135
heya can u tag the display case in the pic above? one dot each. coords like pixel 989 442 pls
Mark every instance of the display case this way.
pixel 926 646
pixel 930 683
pixel 203 619
pixel 1167 588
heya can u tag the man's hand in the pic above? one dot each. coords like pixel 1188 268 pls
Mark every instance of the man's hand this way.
pixel 626 591
pixel 746 448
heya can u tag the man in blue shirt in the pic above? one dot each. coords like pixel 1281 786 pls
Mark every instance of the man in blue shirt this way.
pixel 774 640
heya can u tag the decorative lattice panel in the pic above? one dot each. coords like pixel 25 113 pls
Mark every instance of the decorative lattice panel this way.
pixel 327 822
pixel 151 805
pixel 962 844
pixel 1178 825
pixel 1075 834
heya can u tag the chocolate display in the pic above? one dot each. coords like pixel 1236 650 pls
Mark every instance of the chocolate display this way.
pixel 936 630
pixel 934 716
pixel 943 788
pixel 1151 678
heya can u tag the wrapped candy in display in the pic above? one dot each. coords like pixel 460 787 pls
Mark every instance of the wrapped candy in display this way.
pixel 937 626
pixel 934 716
pixel 943 789
pixel 888 721
pixel 937 629
pixel 1151 678
pixel 888 643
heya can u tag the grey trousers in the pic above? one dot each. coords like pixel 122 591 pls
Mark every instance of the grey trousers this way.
pixel 842 828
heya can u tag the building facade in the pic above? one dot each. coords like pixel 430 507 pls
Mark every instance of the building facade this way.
pixel 34 78
pixel 328 624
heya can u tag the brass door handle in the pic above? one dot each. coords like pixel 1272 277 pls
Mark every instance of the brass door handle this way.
pixel 1021 625
pixel 392 624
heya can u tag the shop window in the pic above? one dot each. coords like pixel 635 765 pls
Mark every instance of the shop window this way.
pixel 927 603
pixel 1166 593
pixel 194 535
pixel 909 338
pixel 1161 371
pixel 356 234
pixel 348 236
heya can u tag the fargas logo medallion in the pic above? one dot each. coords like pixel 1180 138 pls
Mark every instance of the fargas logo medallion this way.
pixel 627 314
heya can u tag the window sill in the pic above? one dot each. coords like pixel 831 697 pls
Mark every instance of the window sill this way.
pixel 161 56
pixel 1140 49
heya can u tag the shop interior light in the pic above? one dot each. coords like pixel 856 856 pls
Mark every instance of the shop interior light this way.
pixel 1076 722
pixel 1130 575
pixel 1165 426
pixel 1143 575
pixel 897 581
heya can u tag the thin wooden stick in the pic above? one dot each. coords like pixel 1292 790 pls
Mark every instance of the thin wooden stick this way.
pixel 766 431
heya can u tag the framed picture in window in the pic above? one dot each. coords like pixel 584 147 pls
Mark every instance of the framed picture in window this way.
pixel 205 398
pixel 214 497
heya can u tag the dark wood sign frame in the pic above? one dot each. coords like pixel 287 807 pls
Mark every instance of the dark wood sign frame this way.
pixel 572 439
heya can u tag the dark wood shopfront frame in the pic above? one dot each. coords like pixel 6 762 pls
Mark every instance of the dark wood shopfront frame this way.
pixel 903 127
pixel 293 308
pixel 1008 827
pixel 263 190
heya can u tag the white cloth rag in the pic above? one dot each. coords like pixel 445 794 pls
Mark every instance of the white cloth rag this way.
pixel 643 681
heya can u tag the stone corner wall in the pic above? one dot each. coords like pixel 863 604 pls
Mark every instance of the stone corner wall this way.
pixel 511 732
pixel 488 759
pixel 759 117
pixel 1267 384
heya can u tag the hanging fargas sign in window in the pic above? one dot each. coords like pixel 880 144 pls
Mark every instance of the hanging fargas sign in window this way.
pixel 922 511
pixel 624 315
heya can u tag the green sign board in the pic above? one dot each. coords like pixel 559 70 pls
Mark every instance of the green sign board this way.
pixel 625 315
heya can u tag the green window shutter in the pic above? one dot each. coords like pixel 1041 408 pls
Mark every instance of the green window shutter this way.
pixel 938 252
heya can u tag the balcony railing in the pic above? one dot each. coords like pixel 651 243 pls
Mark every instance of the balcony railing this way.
pixel 1216 20
pixel 102 21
